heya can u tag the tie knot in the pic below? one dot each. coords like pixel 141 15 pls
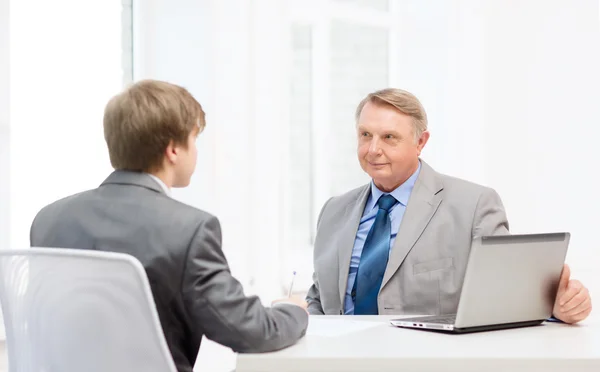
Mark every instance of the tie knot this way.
pixel 386 202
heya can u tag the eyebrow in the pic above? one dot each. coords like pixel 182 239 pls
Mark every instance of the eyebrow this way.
pixel 385 132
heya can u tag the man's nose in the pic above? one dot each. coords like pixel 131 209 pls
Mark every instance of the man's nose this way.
pixel 374 148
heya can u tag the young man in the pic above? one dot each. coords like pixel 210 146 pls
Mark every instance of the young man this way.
pixel 151 131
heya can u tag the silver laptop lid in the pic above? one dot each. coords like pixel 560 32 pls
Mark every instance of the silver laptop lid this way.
pixel 511 278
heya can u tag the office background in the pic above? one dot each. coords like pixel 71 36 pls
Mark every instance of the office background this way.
pixel 510 88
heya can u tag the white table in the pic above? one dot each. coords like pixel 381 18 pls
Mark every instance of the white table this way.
pixel 370 343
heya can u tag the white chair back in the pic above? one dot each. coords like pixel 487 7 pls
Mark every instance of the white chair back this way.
pixel 70 310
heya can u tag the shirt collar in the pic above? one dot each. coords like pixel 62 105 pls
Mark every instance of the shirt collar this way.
pixel 161 184
pixel 400 193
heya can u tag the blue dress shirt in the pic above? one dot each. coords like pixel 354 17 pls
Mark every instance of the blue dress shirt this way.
pixel 401 193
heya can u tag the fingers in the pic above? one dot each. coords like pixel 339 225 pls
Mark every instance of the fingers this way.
pixel 583 307
pixel 573 303
pixel 580 295
pixel 573 289
pixel 564 277
pixel 579 313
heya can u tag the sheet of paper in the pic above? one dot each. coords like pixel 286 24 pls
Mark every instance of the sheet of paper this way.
pixel 322 326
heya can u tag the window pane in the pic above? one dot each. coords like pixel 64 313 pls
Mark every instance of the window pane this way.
pixel 359 65
pixel 127 41
pixel 69 86
pixel 300 137
pixel 375 4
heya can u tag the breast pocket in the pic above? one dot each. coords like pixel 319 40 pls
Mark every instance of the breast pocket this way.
pixel 433 265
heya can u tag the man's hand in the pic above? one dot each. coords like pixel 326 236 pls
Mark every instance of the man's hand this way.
pixel 573 303
pixel 294 300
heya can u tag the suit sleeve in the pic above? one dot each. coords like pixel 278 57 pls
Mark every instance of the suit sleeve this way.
pixel 217 306
pixel 313 297
pixel 490 216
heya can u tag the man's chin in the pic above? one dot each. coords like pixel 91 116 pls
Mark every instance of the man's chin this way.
pixel 380 177
pixel 378 171
pixel 182 184
pixel 375 172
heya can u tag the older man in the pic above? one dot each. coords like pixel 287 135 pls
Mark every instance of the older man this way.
pixel 400 244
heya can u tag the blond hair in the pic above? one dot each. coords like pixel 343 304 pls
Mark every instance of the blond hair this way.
pixel 140 122
pixel 401 100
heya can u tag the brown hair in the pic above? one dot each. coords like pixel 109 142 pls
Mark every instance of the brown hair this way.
pixel 140 122
pixel 404 102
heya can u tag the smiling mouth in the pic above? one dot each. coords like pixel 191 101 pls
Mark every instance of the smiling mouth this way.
pixel 377 164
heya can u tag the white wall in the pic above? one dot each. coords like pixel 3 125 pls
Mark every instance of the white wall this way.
pixel 542 116
pixel 511 89
pixel 4 133
pixel 65 64
pixel 441 60
pixel 4 124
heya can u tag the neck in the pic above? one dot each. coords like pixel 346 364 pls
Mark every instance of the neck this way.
pixel 164 176
pixel 391 187
pixel 388 188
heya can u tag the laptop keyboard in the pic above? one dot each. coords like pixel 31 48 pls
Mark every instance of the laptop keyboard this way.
pixel 447 319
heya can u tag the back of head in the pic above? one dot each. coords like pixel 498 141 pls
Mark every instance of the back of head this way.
pixel 140 122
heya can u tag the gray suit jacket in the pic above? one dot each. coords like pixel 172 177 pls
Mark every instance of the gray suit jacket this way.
pixel 180 248
pixel 427 263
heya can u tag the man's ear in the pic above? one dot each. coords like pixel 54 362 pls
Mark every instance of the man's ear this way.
pixel 171 152
pixel 422 141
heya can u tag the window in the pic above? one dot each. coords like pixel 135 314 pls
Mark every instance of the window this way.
pixel 67 59
pixel 340 50
pixel 359 65
pixel 373 4
pixel 300 179
pixel 127 41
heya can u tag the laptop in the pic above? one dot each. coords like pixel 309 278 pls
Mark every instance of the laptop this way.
pixel 510 281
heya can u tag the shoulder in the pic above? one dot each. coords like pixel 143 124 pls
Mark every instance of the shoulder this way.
pixel 184 210
pixel 459 185
pixel 158 208
pixel 464 192
pixel 59 206
pixel 347 198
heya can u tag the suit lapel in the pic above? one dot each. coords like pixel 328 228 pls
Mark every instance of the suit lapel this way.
pixel 351 218
pixel 422 205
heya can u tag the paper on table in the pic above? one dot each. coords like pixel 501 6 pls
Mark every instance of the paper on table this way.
pixel 321 326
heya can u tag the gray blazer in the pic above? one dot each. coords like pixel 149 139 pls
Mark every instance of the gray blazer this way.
pixel 427 263
pixel 180 248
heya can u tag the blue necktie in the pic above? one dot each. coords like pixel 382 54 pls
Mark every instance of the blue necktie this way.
pixel 373 260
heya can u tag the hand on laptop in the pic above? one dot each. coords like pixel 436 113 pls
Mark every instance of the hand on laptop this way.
pixel 573 302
